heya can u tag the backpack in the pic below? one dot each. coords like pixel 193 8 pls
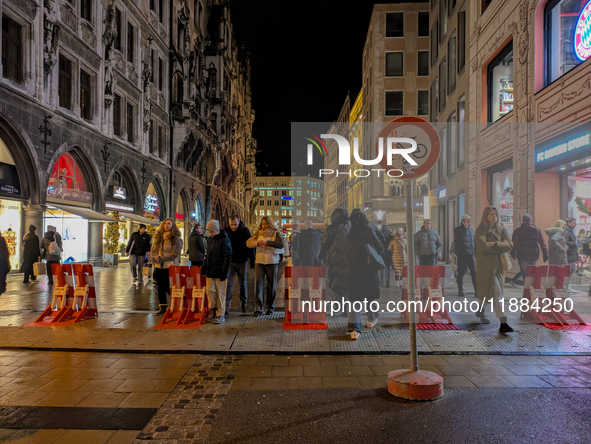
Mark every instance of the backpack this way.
pixel 54 249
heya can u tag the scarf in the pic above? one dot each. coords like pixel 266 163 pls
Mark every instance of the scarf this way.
pixel 166 237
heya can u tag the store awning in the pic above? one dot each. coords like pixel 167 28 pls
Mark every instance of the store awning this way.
pixel 139 219
pixel 86 213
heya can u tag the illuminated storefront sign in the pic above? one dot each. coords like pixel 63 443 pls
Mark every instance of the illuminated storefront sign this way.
pixel 151 203
pixel 119 207
pixel 582 39
pixel 442 193
pixel 563 148
pixel 119 193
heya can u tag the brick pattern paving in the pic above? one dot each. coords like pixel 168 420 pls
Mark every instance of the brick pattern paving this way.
pixel 187 414
pixel 310 372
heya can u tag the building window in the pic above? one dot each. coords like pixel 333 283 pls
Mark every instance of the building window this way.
pixel 86 9
pixel 394 103
pixel 130 42
pixel 566 45
pixel 442 72
pixel 161 10
pixel 441 165
pixel 65 83
pixel 483 5
pixel 160 74
pixel 151 138
pixel 442 20
pixel 130 123
pixel 117 41
pixel 451 75
pixel 451 143
pixel 434 99
pixel 461 40
pixel 85 96
pixel 11 50
pixel 152 64
pixel 423 101
pixel 394 64
pixel 269 203
pixel 153 5
pixel 423 68
pixel 500 84
pixel 277 203
pixel 117 115
pixel 434 43
pixel 395 24
pixel 160 141
pixel 423 24
pixel 461 129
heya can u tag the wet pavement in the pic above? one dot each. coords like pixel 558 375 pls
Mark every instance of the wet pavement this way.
pixel 126 317
pixel 123 398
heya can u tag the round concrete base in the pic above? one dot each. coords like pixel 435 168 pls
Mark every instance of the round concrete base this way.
pixel 415 386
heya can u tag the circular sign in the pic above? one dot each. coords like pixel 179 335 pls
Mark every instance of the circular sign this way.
pixel 582 38
pixel 426 154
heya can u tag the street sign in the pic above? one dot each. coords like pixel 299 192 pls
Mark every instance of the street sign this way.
pixel 428 146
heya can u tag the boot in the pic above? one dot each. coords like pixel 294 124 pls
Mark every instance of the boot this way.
pixel 460 292
pixel 162 309
pixel 243 308
pixel 505 328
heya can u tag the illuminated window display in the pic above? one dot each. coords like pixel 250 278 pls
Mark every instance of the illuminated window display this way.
pixel 180 217
pixel 74 232
pixel 502 196
pixel 151 206
pixel 500 84
pixel 67 181
pixel 10 228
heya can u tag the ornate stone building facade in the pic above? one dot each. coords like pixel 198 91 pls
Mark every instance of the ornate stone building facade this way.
pixel 212 115
pixel 531 82
pixel 114 105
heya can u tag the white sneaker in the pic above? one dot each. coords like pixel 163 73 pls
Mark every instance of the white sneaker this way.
pixel 355 335
pixel 134 280
pixel 372 323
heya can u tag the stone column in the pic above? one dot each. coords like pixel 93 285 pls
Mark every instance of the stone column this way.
pixel 33 215
pixel 95 241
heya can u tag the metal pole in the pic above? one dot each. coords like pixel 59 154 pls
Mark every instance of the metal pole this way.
pixel 414 354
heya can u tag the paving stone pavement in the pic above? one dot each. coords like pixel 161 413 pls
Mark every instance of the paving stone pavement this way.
pixel 187 414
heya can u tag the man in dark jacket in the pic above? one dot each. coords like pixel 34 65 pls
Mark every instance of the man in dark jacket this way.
pixel 386 255
pixel 216 267
pixel 309 242
pixel 527 242
pixel 295 244
pixel 572 254
pixel 465 250
pixel 334 252
pixel 196 246
pixel 428 244
pixel 238 233
pixel 138 245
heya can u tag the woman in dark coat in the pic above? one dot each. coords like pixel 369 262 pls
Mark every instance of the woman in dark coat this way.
pixel 363 282
pixel 4 264
pixel 31 254
pixel 334 252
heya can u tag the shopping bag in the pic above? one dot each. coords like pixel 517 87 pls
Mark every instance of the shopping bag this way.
pixel 147 271
pixel 39 268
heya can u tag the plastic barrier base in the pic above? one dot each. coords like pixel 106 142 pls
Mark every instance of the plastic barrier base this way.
pixel 567 327
pixel 437 326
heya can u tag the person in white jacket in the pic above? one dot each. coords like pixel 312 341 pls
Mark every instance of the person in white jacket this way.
pixel 268 242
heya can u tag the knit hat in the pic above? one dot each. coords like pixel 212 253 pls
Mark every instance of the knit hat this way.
pixel 213 225
pixel 466 217
pixel 142 226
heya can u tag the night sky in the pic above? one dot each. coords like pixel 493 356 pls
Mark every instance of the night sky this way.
pixel 305 57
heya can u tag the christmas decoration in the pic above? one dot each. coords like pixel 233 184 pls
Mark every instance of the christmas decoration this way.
pixel 151 229
pixel 112 235
pixel 582 207
pixel 10 238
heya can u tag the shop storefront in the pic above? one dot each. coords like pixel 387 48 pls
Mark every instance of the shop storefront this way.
pixel 10 206
pixel 500 193
pixel 68 209
pixel 563 178
pixel 181 220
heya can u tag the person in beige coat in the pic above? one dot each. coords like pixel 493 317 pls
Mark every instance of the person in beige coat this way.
pixel 399 259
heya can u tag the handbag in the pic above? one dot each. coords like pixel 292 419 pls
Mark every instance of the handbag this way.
pixel 147 271
pixel 374 260
pixel 39 268
pixel 506 261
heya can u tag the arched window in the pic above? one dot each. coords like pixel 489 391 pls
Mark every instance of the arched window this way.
pixel 67 181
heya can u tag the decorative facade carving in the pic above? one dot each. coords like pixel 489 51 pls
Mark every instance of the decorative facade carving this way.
pixel 50 37
pixel 110 32
pixel 88 35
pixel 27 6
pixel 68 17
pixel 545 111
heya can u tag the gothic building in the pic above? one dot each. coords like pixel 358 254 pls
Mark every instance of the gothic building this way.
pixel 141 107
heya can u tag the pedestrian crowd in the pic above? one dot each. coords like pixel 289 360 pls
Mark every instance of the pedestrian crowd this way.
pixel 358 257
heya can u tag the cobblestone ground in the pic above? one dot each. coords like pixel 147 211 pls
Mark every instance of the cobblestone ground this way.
pixel 188 413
